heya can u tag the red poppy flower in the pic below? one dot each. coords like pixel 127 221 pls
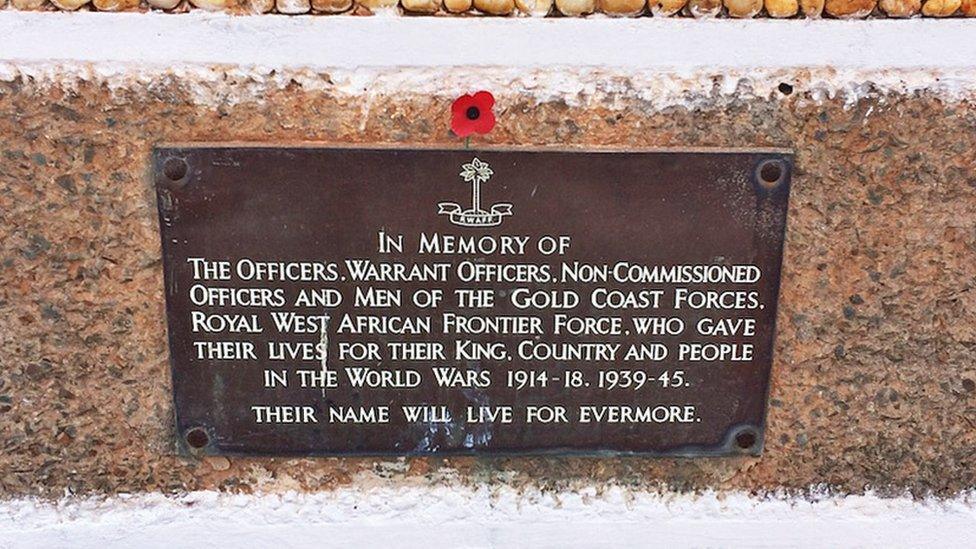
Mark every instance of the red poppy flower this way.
pixel 472 114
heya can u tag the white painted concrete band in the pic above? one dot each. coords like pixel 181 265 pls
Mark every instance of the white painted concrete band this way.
pixel 608 58
pixel 354 42
pixel 427 517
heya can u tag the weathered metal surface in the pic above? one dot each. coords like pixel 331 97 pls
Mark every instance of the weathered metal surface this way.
pixel 251 206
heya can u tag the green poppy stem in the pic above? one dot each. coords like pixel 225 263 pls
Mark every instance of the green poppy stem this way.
pixel 467 142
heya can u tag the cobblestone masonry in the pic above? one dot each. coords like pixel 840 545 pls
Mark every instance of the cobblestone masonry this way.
pixel 874 382
pixel 842 9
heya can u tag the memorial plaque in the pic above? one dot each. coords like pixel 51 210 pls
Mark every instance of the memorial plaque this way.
pixel 340 301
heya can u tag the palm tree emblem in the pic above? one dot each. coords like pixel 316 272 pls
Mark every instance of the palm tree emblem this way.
pixel 475 172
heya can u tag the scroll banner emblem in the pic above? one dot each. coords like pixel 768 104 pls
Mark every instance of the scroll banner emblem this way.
pixel 475 172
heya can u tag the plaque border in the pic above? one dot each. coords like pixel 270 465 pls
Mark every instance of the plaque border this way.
pixel 727 449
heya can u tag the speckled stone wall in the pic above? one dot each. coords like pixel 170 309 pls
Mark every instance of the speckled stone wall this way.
pixel 874 384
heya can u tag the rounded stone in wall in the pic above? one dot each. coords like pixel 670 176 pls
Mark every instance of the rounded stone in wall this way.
pixel 704 8
pixel 293 6
pixel 259 6
pixel 622 7
pixel 27 4
pixel 575 8
pixel 331 6
pixel 535 8
pixel 782 8
pixel 420 6
pixel 115 5
pixel 457 6
pixel 213 5
pixel 812 8
pixel 495 7
pixel 69 5
pixel 941 8
pixel 849 9
pixel 666 8
pixel 743 9
pixel 900 8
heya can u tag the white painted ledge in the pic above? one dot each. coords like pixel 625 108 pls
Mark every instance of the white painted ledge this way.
pixel 453 516
pixel 445 56
pixel 382 41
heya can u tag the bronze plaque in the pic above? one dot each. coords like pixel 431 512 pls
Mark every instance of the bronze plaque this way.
pixel 340 301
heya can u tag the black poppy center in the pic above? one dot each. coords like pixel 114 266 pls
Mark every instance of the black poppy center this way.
pixel 473 113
